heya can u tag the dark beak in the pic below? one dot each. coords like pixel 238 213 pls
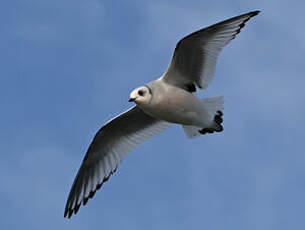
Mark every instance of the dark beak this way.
pixel 131 99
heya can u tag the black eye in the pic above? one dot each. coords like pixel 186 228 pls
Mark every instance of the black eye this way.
pixel 141 92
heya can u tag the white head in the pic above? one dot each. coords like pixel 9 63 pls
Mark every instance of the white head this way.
pixel 141 95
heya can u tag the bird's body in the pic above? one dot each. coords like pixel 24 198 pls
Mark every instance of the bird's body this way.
pixel 176 105
pixel 160 103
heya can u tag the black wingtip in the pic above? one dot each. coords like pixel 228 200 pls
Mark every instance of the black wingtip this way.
pixel 69 211
pixel 91 194
pixel 76 208
pixel 256 12
pixel 85 200
pixel 98 186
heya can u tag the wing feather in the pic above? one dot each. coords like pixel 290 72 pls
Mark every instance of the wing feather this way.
pixel 111 143
pixel 195 56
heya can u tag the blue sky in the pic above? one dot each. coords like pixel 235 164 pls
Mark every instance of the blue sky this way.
pixel 69 66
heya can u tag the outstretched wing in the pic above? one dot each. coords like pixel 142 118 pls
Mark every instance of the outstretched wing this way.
pixel 195 55
pixel 111 143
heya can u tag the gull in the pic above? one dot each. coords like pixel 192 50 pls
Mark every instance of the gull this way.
pixel 170 99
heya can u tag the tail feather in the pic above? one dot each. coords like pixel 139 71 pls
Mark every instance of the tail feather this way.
pixel 212 112
pixel 191 131
pixel 210 106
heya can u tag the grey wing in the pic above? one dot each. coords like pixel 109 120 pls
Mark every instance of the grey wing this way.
pixel 195 55
pixel 116 138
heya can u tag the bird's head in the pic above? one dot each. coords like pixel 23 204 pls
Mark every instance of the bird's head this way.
pixel 141 95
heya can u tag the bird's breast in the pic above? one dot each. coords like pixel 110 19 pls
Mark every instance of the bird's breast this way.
pixel 174 105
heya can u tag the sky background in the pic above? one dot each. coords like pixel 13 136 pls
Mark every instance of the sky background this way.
pixel 69 66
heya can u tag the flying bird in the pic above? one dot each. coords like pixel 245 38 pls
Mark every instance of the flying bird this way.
pixel 158 104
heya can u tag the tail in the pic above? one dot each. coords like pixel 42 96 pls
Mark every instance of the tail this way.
pixel 212 111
